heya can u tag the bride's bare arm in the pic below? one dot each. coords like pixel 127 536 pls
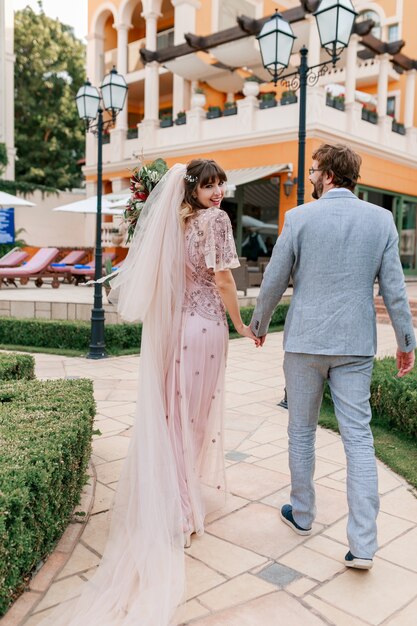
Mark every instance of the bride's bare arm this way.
pixel 227 288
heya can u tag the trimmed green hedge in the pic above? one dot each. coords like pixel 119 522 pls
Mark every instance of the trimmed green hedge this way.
pixel 45 443
pixel 72 335
pixel 17 366
pixel 278 317
pixel 393 400
pixel 75 335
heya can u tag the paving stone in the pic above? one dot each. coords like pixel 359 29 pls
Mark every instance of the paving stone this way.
pixel 61 591
pixel 223 556
pixel 80 560
pixel 403 550
pixel 111 448
pixel 373 595
pixel 24 605
pixel 278 574
pixel 333 615
pixel 258 528
pixel 200 577
pixel 236 456
pixel 48 571
pixel 189 611
pixel 232 592
pixel 312 564
pixel 405 617
pixel 108 473
pixel 400 503
pixel 301 586
pixel 253 482
pixel 265 611
pixel 389 527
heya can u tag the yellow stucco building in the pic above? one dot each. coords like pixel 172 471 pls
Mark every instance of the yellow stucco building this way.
pixel 368 100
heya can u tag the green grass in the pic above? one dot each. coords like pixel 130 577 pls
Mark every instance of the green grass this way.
pixel 395 448
pixel 36 350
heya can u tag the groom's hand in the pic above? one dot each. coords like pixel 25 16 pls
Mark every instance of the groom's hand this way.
pixel 262 340
pixel 405 362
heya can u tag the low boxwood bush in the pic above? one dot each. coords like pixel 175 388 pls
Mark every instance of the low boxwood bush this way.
pixel 45 443
pixel 75 335
pixel 246 312
pixel 393 400
pixel 16 366
pixel 72 335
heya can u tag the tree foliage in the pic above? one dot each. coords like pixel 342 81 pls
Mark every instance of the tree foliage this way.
pixel 3 158
pixel 49 70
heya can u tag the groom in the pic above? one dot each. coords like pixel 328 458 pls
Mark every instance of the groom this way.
pixel 334 249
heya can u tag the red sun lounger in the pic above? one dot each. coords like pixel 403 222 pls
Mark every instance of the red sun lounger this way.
pixel 65 266
pixel 13 258
pixel 86 272
pixel 35 268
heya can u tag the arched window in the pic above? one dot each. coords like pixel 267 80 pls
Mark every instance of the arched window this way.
pixel 371 15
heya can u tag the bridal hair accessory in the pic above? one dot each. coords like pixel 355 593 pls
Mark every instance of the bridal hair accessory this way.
pixel 190 179
pixel 143 180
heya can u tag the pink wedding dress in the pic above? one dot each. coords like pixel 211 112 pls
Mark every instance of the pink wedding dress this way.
pixel 174 471
pixel 195 381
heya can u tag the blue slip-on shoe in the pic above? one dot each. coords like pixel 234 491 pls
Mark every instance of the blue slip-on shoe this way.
pixel 357 562
pixel 287 518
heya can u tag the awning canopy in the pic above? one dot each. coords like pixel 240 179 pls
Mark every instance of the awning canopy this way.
pixel 7 200
pixel 251 223
pixel 195 66
pixel 249 174
pixel 115 203
pixel 89 205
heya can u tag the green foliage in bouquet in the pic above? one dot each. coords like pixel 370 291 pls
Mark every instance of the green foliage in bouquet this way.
pixel 144 178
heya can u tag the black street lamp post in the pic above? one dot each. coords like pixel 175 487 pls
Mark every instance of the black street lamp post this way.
pixel 335 20
pixel 91 105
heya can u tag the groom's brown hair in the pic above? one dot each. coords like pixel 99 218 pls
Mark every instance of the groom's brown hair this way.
pixel 341 162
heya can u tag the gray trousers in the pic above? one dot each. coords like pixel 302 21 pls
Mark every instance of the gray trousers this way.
pixel 349 380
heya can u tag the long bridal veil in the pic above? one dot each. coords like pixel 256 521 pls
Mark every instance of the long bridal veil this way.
pixel 141 578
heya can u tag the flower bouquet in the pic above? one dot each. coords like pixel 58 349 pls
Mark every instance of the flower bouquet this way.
pixel 144 178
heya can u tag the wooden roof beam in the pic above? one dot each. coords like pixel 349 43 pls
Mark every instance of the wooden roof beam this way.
pixel 246 27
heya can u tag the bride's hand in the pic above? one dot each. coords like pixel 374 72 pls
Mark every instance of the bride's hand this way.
pixel 246 331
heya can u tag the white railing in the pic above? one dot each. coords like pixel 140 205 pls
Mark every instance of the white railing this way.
pixel 253 126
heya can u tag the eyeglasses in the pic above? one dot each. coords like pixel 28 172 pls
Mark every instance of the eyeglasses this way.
pixel 314 169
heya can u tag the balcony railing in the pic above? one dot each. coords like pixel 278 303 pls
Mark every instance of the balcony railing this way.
pixel 397 127
pixel 336 102
pixel 249 123
pixel 132 133
pixel 369 116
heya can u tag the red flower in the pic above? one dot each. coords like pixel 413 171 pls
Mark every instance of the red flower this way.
pixel 141 195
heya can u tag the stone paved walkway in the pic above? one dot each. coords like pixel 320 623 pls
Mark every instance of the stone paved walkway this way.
pixel 249 569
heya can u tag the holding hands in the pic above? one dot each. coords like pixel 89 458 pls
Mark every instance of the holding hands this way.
pixel 405 362
pixel 246 331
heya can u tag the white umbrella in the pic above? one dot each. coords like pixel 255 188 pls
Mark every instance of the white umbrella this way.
pixel 89 205
pixel 7 201
pixel 261 227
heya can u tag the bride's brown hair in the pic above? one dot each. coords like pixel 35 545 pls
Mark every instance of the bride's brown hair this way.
pixel 199 172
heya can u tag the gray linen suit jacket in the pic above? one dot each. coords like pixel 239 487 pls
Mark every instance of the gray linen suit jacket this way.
pixel 334 249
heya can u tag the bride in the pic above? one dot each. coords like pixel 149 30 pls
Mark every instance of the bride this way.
pixel 177 280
